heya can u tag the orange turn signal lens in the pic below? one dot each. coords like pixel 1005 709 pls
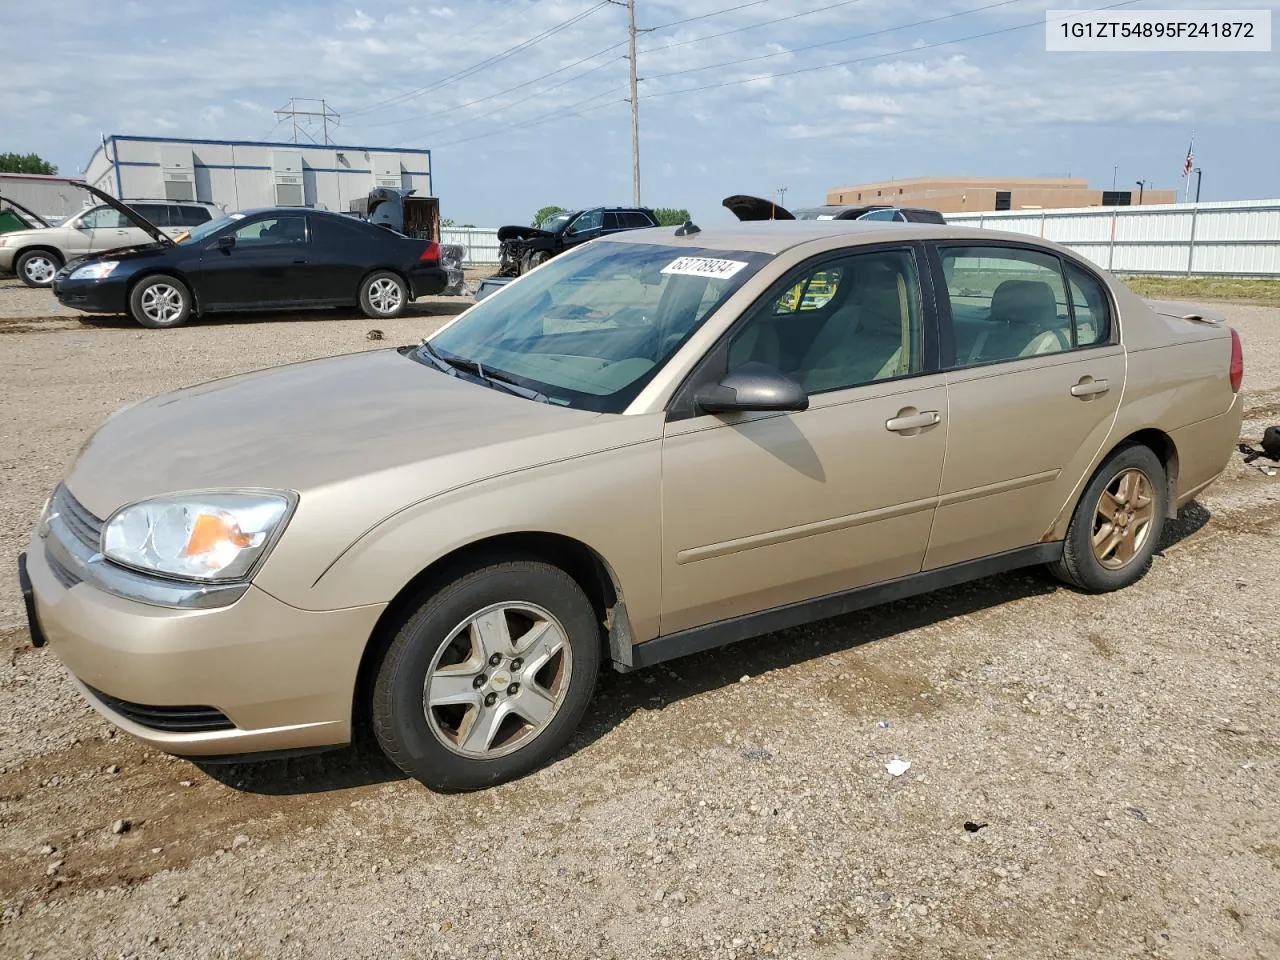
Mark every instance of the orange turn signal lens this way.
pixel 212 529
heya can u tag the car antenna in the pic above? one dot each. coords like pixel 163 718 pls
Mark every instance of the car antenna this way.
pixel 688 229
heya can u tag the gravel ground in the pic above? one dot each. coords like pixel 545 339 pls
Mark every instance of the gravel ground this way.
pixel 1090 776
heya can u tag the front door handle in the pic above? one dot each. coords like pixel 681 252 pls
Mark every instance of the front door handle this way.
pixel 910 421
pixel 1088 388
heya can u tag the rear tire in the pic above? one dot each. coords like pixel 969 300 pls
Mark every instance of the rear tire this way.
pixel 489 677
pixel 36 268
pixel 1117 524
pixel 383 295
pixel 160 302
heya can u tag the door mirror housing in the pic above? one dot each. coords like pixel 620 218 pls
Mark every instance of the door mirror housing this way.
pixel 752 386
pixel 225 244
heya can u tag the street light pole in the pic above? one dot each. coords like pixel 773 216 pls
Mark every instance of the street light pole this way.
pixel 1141 186
pixel 1197 173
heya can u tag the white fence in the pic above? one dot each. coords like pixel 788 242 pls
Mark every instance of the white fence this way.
pixel 1232 238
pixel 480 243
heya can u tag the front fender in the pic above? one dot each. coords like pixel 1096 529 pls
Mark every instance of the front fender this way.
pixel 610 501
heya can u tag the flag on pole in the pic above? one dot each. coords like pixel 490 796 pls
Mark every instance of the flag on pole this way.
pixel 1190 162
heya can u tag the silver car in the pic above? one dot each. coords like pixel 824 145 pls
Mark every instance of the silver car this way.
pixel 36 255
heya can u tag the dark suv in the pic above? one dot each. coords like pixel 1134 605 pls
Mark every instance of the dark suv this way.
pixel 523 248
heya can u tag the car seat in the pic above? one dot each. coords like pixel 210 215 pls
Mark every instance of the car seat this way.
pixel 1025 315
pixel 861 341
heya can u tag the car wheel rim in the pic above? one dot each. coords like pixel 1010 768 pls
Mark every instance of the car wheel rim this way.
pixel 161 303
pixel 39 269
pixel 498 680
pixel 385 295
pixel 1122 523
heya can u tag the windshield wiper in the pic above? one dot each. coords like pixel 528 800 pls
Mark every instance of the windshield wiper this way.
pixel 496 379
pixel 430 353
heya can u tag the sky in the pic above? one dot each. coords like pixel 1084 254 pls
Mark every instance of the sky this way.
pixel 522 102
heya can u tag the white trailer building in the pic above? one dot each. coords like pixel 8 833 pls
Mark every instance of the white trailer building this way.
pixel 242 174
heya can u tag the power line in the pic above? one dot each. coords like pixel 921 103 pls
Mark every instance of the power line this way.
pixel 518 86
pixel 557 114
pixel 750 26
pixel 877 56
pixel 839 40
pixel 708 16
pixel 545 76
pixel 572 109
pixel 487 62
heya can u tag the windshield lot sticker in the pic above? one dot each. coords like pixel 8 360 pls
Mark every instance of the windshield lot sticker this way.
pixel 703 267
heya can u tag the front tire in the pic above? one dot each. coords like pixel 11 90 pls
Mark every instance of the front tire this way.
pixel 36 268
pixel 160 302
pixel 1117 524
pixel 383 295
pixel 489 677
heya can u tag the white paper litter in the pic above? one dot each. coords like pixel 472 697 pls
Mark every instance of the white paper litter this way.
pixel 897 767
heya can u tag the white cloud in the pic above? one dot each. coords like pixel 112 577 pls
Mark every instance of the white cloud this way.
pixel 874 103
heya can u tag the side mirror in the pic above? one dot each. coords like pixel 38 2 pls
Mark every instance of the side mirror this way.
pixel 225 244
pixel 753 386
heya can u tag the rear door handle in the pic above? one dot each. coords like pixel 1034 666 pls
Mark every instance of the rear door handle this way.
pixel 1089 387
pixel 907 421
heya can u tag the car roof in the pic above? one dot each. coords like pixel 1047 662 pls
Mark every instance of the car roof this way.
pixel 775 236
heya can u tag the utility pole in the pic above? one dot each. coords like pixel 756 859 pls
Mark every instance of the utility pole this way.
pixel 782 196
pixel 1141 186
pixel 635 105
pixel 1114 172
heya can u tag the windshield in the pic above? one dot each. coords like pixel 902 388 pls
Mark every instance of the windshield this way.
pixel 590 328
pixel 196 234
pixel 552 224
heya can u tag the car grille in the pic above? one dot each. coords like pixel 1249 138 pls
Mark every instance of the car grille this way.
pixel 167 719
pixel 86 527
pixel 77 522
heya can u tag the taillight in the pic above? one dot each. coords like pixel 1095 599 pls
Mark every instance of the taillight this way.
pixel 1237 362
pixel 431 254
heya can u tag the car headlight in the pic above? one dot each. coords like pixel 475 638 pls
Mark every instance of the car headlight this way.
pixel 94 271
pixel 212 536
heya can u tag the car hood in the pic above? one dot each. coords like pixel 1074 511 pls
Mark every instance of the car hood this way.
pixel 318 425
pixel 516 232
pixel 138 251
pixel 753 208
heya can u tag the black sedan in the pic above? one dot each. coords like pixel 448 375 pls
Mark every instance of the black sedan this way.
pixel 255 260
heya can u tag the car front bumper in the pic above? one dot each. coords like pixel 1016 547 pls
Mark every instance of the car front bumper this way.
pixel 7 256
pixel 257 675
pixel 109 295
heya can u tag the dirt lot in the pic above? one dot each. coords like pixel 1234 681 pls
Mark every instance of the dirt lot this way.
pixel 1119 755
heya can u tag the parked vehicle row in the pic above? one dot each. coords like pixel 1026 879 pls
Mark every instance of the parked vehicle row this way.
pixel 36 255
pixel 654 444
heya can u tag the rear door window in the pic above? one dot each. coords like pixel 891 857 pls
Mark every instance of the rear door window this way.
pixel 157 213
pixel 190 216
pixel 1006 303
pixel 1090 306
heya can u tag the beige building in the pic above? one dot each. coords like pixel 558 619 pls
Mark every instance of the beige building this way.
pixel 964 194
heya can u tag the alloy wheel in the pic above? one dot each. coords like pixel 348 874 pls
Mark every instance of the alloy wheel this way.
pixel 40 269
pixel 162 303
pixel 498 680
pixel 385 295
pixel 1123 520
